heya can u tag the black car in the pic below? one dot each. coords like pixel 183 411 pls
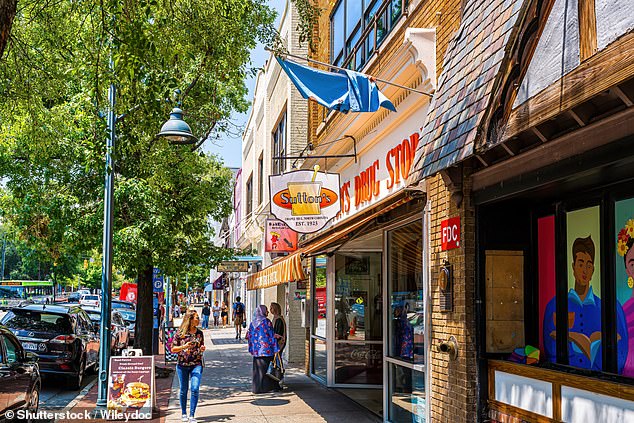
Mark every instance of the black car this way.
pixel 20 380
pixel 62 336
pixel 119 332
pixel 128 312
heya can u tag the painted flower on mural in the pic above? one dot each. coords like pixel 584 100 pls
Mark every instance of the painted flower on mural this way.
pixel 624 237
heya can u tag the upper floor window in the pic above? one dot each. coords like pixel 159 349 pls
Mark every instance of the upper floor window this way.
pixel 249 189
pixel 279 147
pixel 358 27
pixel 261 178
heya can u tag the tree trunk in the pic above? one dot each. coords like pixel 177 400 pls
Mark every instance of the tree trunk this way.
pixel 144 311
pixel 7 14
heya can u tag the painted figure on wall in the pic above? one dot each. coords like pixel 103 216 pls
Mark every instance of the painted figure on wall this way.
pixel 624 249
pixel 584 314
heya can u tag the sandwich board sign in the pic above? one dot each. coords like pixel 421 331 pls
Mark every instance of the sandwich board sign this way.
pixel 131 388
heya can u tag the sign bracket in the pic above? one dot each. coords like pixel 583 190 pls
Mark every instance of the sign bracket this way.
pixel 309 147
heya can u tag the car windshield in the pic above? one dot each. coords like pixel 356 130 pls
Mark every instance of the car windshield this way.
pixel 91 297
pixel 37 321
pixel 127 306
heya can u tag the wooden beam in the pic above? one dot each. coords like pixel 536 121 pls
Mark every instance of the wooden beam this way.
pixel 596 134
pixel 507 149
pixel 587 29
pixel 576 117
pixel 539 134
pixel 604 70
pixel 624 97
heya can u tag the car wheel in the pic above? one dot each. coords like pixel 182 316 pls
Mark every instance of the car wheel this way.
pixel 34 400
pixel 76 381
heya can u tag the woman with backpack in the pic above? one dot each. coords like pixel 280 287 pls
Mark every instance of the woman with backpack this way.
pixel 238 317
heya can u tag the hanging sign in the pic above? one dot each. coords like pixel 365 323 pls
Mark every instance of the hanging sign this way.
pixel 279 237
pixel 450 233
pixel 233 266
pixel 305 200
pixel 157 280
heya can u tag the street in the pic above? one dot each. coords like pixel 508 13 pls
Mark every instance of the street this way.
pixel 55 395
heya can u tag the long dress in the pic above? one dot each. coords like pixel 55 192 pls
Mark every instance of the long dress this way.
pixel 262 346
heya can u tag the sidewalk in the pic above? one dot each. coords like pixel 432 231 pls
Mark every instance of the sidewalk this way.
pixel 225 392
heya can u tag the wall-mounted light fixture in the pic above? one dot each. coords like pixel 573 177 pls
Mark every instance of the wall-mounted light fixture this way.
pixel 445 283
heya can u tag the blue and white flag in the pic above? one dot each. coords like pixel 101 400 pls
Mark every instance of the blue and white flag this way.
pixel 348 91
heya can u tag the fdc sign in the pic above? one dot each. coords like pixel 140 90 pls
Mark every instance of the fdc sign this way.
pixel 450 233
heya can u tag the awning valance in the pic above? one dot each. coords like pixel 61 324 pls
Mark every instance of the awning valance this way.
pixel 289 269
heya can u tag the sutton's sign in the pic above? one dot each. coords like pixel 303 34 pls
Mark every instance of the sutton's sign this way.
pixel 305 200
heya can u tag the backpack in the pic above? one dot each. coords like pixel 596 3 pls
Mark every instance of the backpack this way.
pixel 239 308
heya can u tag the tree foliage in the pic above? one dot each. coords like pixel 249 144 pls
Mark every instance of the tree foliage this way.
pixel 54 76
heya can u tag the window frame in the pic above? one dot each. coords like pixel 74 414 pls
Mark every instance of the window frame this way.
pixel 279 140
pixel 249 194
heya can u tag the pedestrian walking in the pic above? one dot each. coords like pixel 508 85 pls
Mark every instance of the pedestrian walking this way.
pixel 216 309
pixel 189 343
pixel 238 317
pixel 224 314
pixel 262 346
pixel 206 312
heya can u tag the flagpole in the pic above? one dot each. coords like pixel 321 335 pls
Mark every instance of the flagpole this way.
pixel 278 53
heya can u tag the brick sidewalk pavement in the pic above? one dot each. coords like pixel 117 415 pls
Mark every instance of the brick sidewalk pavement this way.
pixel 225 393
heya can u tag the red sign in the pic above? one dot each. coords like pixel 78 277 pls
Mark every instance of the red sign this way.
pixel 450 233
pixel 128 292
pixel 279 237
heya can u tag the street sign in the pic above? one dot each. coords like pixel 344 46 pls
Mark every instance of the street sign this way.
pixel 233 266
pixel 157 280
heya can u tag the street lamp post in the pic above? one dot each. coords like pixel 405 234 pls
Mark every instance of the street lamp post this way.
pixel 177 131
pixel 106 268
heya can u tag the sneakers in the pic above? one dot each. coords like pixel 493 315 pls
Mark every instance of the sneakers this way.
pixel 184 418
pixel 193 420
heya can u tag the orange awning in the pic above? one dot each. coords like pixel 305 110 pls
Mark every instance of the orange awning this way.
pixel 289 269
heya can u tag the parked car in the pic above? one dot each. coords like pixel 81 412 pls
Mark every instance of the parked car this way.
pixel 84 291
pixel 91 300
pixel 128 312
pixel 120 304
pixel 120 335
pixel 73 297
pixel 19 375
pixel 42 299
pixel 62 336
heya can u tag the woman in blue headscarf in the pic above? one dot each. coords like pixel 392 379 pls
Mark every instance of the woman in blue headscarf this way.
pixel 262 346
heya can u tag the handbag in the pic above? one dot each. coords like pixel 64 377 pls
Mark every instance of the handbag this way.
pixel 244 324
pixel 276 368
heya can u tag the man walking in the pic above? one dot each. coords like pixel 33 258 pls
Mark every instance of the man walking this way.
pixel 206 313
pixel 238 317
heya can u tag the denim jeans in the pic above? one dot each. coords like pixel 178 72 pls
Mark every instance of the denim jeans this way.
pixel 185 375
pixel 205 321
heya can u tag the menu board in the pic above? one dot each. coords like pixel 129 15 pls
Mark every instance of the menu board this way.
pixel 131 389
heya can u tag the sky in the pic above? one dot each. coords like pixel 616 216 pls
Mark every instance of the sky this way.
pixel 229 146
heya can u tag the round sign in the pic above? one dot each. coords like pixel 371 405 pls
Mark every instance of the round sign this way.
pixel 158 284
pixel 131 296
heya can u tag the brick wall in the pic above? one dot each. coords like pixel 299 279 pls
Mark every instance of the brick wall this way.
pixel 453 382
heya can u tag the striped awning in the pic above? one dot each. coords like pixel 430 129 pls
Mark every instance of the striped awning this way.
pixel 289 269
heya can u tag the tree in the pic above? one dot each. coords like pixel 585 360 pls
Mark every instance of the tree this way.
pixel 55 71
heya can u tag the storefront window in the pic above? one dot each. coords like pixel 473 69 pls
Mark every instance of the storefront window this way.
pixel 358 322
pixel 319 322
pixel 405 271
pixel 320 359
pixel 624 273
pixel 407 398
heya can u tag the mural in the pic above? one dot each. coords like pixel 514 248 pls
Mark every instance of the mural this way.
pixel 624 271
pixel 584 302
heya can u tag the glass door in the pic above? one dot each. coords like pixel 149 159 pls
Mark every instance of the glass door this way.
pixel 318 350
pixel 405 395
pixel 357 319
